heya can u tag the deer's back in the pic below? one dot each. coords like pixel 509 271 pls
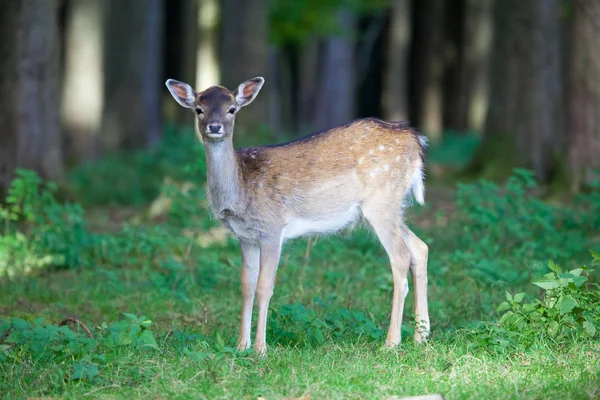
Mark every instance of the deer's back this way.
pixel 328 175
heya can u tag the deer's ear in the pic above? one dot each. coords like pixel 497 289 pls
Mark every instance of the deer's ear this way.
pixel 247 91
pixel 182 93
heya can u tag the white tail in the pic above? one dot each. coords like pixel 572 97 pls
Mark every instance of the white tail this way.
pixel 320 183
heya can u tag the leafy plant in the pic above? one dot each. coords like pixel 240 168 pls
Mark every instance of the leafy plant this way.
pixel 74 354
pixel 507 233
pixel 295 324
pixel 568 308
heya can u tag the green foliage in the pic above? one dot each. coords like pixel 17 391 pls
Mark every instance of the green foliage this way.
pixel 331 304
pixel 568 309
pixel 296 324
pixel 296 22
pixel 40 231
pixel 135 178
pixel 455 149
pixel 507 233
pixel 71 354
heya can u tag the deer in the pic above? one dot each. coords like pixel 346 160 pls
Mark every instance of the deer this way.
pixel 368 170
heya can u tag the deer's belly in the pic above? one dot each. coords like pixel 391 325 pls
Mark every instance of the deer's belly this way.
pixel 298 226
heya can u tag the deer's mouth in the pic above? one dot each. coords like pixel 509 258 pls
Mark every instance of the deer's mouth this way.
pixel 215 135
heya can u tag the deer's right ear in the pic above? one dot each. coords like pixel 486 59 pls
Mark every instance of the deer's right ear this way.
pixel 182 93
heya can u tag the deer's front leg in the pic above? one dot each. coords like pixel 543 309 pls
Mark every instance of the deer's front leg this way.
pixel 250 267
pixel 270 249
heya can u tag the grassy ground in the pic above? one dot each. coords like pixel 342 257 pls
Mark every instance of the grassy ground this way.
pixel 329 313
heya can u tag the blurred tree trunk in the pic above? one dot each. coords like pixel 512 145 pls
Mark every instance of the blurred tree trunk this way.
pixel 474 83
pixel 244 55
pixel 431 60
pixel 525 121
pixel 309 70
pixel 275 92
pixel 470 32
pixel 336 90
pixel 82 90
pixel 395 91
pixel 584 145
pixel 132 116
pixel 207 60
pixel 189 17
pixel 29 96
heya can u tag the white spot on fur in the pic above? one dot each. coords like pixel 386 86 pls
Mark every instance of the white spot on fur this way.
pixel 381 148
pixel 363 136
pixel 371 151
pixel 397 158
pixel 386 167
pixel 360 160
pixel 397 140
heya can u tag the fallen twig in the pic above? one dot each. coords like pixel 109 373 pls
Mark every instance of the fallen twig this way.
pixel 5 335
pixel 78 322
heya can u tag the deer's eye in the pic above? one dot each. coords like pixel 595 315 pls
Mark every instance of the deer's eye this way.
pixel 199 111
pixel 232 110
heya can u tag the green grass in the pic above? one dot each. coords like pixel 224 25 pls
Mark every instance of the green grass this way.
pixel 328 316
pixel 194 358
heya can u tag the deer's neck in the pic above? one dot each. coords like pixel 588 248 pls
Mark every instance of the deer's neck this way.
pixel 223 177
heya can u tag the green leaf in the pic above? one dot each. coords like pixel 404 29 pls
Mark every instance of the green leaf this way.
pixel 508 296
pixel 504 306
pixel 519 297
pixel 554 267
pixel 553 328
pixel 590 329
pixel 220 340
pixel 130 316
pixel 566 304
pixel 547 284
pixel 147 339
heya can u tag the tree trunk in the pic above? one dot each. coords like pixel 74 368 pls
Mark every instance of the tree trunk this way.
pixel 207 60
pixel 132 116
pixel 244 55
pixel 29 121
pixel 584 144
pixel 525 116
pixel 275 94
pixel 477 40
pixel 431 60
pixel 188 32
pixel 308 83
pixel 466 90
pixel 336 91
pixel 395 91
pixel 83 81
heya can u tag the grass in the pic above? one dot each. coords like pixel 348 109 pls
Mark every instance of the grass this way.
pixel 329 313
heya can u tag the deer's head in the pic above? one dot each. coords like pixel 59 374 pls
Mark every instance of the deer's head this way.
pixel 215 107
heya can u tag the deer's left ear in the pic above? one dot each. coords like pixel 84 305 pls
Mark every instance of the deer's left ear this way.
pixel 247 91
pixel 181 92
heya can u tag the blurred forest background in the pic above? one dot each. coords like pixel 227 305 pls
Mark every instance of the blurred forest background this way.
pixel 80 79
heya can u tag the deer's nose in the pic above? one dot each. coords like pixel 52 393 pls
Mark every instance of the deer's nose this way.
pixel 214 128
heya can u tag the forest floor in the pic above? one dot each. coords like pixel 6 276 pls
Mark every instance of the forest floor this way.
pixel 163 309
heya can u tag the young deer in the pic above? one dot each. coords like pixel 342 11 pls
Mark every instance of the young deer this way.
pixel 317 184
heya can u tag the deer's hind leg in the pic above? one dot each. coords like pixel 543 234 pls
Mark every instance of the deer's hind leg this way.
pixel 418 269
pixel 391 236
